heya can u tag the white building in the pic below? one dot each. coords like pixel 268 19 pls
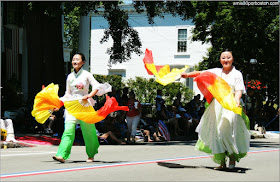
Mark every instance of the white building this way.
pixel 169 39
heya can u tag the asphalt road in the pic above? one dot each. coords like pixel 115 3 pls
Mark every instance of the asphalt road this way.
pixel 172 161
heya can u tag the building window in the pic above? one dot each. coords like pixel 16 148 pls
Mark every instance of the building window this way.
pixel 178 67
pixel 121 73
pixel 182 40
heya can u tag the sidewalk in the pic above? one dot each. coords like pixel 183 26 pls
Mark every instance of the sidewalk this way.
pixel 254 134
pixel 20 144
pixel 264 134
pixel 166 161
pixel 5 145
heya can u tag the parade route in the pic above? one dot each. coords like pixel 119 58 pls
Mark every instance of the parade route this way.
pixel 171 161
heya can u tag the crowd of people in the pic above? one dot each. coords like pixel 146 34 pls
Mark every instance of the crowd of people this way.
pixel 141 123
pixel 221 132
pixel 218 131
pixel 181 119
pixel 264 116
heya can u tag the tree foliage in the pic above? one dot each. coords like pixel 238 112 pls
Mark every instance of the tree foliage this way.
pixel 125 38
pixel 184 9
pixel 249 31
pixel 146 90
pixel 71 29
pixel 114 80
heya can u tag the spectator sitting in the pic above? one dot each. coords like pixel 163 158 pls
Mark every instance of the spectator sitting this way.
pixel 202 107
pixel 160 106
pixel 169 117
pixel 110 135
pixel 120 125
pixel 107 130
pixel 192 123
pixel 58 125
pixel 195 106
pixel 49 123
pixel 123 102
pixel 149 128
pixel 7 126
pixel 172 120
pixel 185 119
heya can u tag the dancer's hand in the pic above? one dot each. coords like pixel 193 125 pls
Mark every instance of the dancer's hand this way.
pixel 184 75
pixel 85 97
pixel 237 102
pixel 237 97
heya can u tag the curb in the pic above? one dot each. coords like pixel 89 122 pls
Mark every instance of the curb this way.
pixel 14 145
pixel 266 134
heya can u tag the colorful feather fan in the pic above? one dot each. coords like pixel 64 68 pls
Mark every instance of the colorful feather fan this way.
pixel 162 73
pixel 82 110
pixel 44 103
pixel 212 85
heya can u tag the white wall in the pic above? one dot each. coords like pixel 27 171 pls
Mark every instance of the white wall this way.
pixel 160 38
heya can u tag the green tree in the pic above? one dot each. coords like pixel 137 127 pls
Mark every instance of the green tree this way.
pixel 249 31
pixel 71 29
pixel 72 11
pixel 125 39
pixel 114 80
pixel 146 90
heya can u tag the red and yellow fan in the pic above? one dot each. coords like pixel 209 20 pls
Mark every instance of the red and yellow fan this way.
pixel 82 110
pixel 44 103
pixel 47 100
pixel 162 73
pixel 212 85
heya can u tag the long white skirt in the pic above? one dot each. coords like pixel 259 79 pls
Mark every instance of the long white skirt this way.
pixel 222 131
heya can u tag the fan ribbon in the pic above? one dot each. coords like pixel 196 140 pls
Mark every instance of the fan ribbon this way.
pixel 212 85
pixel 44 103
pixel 162 73
pixel 47 99
pixel 85 112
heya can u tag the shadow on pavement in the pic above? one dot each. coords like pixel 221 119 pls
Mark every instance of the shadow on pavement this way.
pixel 105 162
pixel 174 165
pixel 190 142
pixel 235 170
pixel 264 144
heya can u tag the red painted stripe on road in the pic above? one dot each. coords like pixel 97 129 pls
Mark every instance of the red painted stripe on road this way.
pixel 113 165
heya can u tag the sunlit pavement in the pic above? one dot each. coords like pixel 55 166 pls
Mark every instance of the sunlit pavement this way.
pixel 168 161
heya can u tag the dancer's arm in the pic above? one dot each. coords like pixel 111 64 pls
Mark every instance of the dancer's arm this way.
pixel 91 94
pixel 191 74
pixel 94 83
pixel 237 97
